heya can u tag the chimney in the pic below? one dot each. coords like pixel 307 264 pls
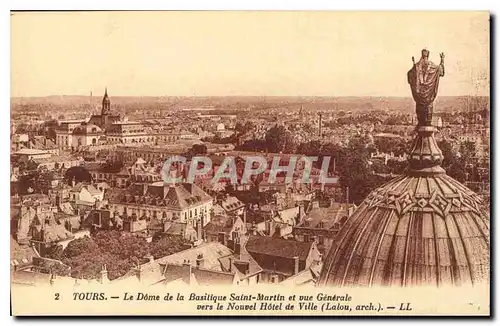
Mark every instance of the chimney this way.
pixel 103 279
pixel 138 271
pixel 73 182
pixel 246 267
pixel 150 258
pixel 320 131
pixel 301 211
pixel 186 272
pixel 237 246
pixel 199 229
pixel 199 261
pixel 296 265
pixel 270 227
pixel 222 238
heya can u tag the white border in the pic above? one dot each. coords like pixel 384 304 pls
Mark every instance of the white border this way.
pixel 189 5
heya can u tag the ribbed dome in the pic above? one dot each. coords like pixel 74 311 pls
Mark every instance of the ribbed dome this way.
pixel 423 228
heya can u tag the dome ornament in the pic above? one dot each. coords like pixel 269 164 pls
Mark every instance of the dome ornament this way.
pixel 421 221
pixel 423 78
pixel 425 155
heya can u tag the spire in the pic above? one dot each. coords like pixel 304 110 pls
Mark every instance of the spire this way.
pixel 106 107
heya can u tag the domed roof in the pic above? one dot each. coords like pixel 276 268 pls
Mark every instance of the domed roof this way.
pixel 86 129
pixel 422 228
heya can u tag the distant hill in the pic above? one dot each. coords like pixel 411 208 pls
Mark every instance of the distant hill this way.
pixel 443 103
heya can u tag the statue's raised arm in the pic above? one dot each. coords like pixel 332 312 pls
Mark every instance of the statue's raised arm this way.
pixel 441 64
pixel 423 78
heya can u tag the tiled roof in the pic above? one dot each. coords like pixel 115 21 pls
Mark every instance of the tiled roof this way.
pixel 308 276
pixel 175 228
pixel 176 197
pixel 329 216
pixel 57 158
pixel 210 277
pixel 231 203
pixel 278 247
pixel 287 216
pixel 218 224
pixel 211 252
pixel 21 254
pixel 153 272
pixel 93 191
pixel 237 262
pixel 201 276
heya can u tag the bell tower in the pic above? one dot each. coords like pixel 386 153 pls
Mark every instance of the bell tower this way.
pixel 106 108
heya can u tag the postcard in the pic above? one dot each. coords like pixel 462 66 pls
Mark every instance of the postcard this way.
pixel 250 163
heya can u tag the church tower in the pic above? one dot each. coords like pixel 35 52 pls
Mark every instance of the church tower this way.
pixel 106 108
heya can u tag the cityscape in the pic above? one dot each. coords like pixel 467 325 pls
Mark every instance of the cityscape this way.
pixel 86 176
pixel 409 202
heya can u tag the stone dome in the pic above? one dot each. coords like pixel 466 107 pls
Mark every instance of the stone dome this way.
pixel 422 228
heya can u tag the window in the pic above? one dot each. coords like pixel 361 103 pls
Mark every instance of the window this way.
pixel 321 240
pixel 306 238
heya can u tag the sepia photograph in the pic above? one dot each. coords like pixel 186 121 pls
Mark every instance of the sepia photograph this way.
pixel 250 163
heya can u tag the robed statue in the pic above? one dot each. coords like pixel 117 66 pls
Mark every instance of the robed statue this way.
pixel 423 78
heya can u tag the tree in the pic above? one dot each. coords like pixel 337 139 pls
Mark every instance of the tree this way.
pixel 55 252
pixel 448 153
pixel 457 169
pixel 239 128
pixel 356 176
pixel 468 150
pixel 196 150
pixel 278 139
pixel 119 251
pixel 398 146
pixel 311 148
pixel 80 246
pixel 167 245
pixel 78 174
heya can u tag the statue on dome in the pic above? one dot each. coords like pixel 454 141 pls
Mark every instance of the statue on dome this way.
pixel 423 78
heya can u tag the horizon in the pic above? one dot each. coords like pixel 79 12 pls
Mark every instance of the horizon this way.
pixel 227 53
pixel 228 96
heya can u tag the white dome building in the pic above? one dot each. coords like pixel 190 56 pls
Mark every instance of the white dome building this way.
pixel 86 135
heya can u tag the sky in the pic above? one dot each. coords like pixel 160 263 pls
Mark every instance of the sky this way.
pixel 244 53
